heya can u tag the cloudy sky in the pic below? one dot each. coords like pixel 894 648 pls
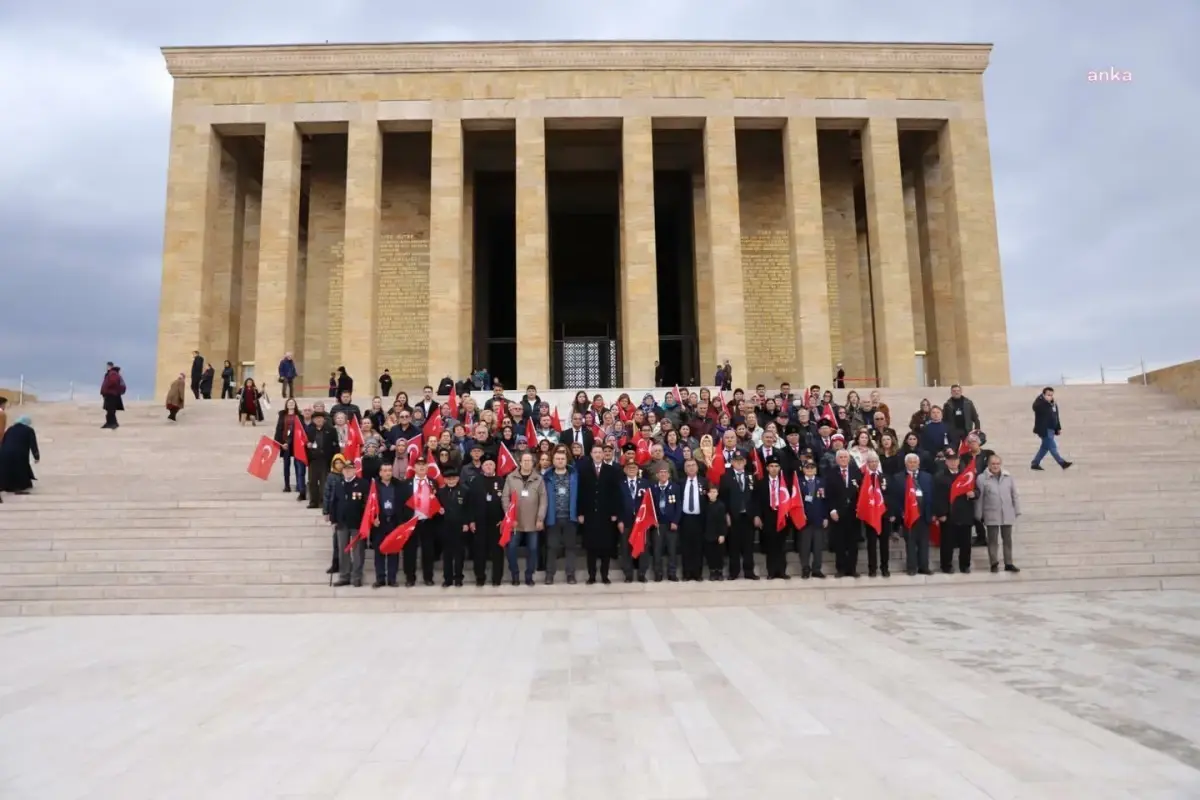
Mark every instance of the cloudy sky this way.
pixel 1096 183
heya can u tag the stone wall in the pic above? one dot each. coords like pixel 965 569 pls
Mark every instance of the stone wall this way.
pixel 1181 380
pixel 766 261
pixel 403 294
pixel 326 231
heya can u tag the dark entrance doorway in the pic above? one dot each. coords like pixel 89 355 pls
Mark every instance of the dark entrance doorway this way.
pixel 496 275
pixel 678 349
pixel 584 243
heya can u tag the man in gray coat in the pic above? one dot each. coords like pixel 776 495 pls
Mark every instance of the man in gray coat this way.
pixel 998 506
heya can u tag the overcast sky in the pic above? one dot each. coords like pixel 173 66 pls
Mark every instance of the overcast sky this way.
pixel 1096 183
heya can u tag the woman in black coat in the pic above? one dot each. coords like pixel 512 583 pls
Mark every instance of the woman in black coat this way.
pixel 16 448
pixel 250 406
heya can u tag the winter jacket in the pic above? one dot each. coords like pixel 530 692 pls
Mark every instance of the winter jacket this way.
pixel 531 498
pixel 996 500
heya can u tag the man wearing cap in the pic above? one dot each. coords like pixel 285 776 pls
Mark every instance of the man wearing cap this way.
pixel 842 483
pixel 346 511
pixel 454 527
pixel 770 494
pixel 487 511
pixel 824 441
pixel 631 489
pixel 322 446
pixel 811 546
pixel 956 516
pixel 419 490
pixel 737 493
pixel 474 466
pixel 665 495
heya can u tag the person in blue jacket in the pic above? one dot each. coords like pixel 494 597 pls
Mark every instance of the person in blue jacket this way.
pixel 666 536
pixel 562 511
pixel 919 485
pixel 812 538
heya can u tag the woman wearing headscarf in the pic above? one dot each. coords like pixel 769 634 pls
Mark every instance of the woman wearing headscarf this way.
pixel 175 396
pixel 16 448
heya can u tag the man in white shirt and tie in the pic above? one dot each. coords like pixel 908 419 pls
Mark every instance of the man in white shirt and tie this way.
pixel 691 521
pixel 577 433
pixel 737 489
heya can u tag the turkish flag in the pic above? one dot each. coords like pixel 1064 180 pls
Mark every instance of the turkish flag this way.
pixel 964 447
pixel 505 463
pixel 678 396
pixel 964 482
pixel 912 509
pixel 641 453
pixel 799 519
pixel 758 465
pixel 424 502
pixel 530 434
pixel 645 520
pixel 721 401
pixel 354 440
pixel 412 449
pixel 370 515
pixel 509 523
pixel 781 501
pixel 717 468
pixel 265 455
pixel 554 420
pixel 452 401
pixel 827 413
pixel 597 433
pixel 433 426
pixel 394 542
pixel 299 441
pixel 870 508
pixel 935 533
pixel 358 467
pixel 434 473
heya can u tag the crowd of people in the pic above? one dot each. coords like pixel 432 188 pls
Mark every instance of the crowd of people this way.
pixel 794 477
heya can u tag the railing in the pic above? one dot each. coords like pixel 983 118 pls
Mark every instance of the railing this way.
pixel 1106 374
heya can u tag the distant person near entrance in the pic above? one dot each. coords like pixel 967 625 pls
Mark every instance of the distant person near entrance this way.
pixel 111 390
pixel 287 376
pixel 197 372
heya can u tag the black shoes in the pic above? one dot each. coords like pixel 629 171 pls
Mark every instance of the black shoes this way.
pixel 925 571
pixel 965 570
pixel 819 574
pixel 529 581
pixel 341 582
pixel 805 574
pixel 516 581
pixel 446 584
pixel 429 582
pixel 995 567
pixel 410 583
pixel 885 573
pixel 571 578
pixel 377 585
pixel 591 581
pixel 1067 464
pixel 604 579
pixel 1037 467
pixel 332 570
pixel 1010 568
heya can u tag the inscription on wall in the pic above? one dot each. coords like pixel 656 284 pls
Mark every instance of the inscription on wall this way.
pixel 770 339
pixel 404 306
pixel 336 256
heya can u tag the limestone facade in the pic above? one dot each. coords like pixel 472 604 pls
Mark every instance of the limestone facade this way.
pixel 320 202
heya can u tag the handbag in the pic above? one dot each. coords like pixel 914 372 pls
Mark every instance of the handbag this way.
pixel 266 403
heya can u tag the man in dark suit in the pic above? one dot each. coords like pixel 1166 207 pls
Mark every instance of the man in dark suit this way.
pixel 737 493
pixel 666 535
pixel 427 404
pixel 197 372
pixel 630 490
pixel 599 508
pixel 913 489
pixel 693 506
pixel 770 493
pixel 577 433
pixel 842 483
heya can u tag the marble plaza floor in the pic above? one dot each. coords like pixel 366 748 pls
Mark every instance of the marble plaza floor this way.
pixel 1053 696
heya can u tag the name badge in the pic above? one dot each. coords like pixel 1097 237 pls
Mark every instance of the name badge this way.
pixel 918 493
pixel 958 412
pixel 387 504
pixel 808 498
pixel 489 498
pixel 524 493
pixel 562 491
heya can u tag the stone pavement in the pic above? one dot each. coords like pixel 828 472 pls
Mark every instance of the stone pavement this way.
pixel 1016 697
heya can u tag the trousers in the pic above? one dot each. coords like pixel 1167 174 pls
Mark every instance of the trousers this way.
pixel 291 465
pixel 666 540
pixel 773 547
pixel 486 544
pixel 387 567
pixel 994 534
pixel 740 544
pixel 317 473
pixel 812 547
pixel 918 546
pixel 350 565
pixel 878 547
pixel 531 541
pixel 1049 447
pixel 453 553
pixel 955 536
pixel 845 543
pixel 594 560
pixel 628 563
pixel 691 545
pixel 561 536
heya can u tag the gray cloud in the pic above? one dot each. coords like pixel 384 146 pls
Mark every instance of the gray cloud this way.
pixel 1094 182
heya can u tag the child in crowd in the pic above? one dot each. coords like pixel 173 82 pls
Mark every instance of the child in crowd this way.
pixel 716 525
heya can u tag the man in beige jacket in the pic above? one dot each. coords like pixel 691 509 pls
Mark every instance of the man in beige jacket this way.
pixel 524 486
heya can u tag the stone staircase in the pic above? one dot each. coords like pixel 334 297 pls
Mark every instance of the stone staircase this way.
pixel 162 518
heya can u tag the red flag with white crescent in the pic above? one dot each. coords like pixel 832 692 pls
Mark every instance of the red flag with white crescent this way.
pixel 354 439
pixel 452 401
pixel 412 450
pixel 964 482
pixel 912 509
pixel 299 441
pixel 796 512
pixel 678 396
pixel 370 513
pixel 433 426
pixel 870 508
pixel 645 520
pixel 758 464
pixel 265 455
pixel 555 423
pixel 783 505
pixel 505 463
pixel 424 503
pixel 509 523
pixel 530 434
pixel 394 542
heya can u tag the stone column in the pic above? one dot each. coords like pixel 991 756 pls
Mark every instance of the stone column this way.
pixel 974 251
pixel 446 285
pixel 360 248
pixel 223 294
pixel 806 235
pixel 892 292
pixel 937 283
pixel 467 316
pixel 915 270
pixel 639 268
pixel 278 258
pixel 249 321
pixel 842 272
pixel 706 327
pixel 724 245
pixel 323 265
pixel 533 257
pixel 193 189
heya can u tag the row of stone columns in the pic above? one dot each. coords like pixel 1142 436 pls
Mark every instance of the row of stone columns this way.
pixel 972 263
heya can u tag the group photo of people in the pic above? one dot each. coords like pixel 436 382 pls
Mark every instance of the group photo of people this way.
pixel 678 485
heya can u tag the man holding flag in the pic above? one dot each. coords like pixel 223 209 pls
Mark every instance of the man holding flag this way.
pixel 352 519
pixel 954 506
pixel 487 510
pixel 387 490
pixel 871 511
pixel 911 502
pixel 772 517
pixel 419 496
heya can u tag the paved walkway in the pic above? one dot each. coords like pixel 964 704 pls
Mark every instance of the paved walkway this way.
pixel 1023 697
